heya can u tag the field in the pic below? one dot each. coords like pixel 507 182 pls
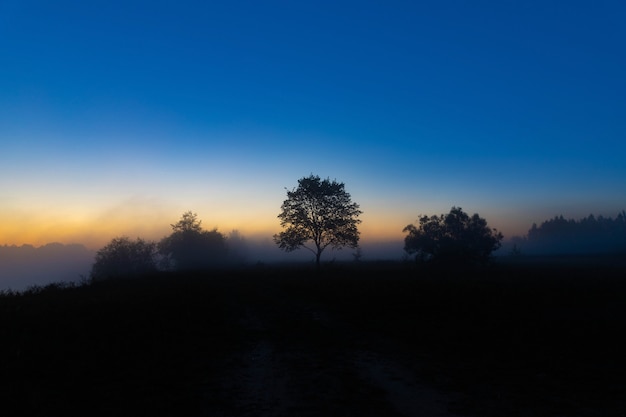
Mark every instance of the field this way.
pixel 366 339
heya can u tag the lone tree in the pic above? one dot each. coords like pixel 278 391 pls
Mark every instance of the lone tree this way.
pixel 320 212
pixel 124 258
pixel 189 247
pixel 454 237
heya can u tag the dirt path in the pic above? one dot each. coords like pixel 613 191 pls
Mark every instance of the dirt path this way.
pixel 320 366
pixel 403 389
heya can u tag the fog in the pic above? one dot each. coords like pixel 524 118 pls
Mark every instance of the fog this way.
pixel 25 266
pixel 265 250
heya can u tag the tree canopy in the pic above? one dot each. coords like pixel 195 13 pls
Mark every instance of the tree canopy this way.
pixel 189 247
pixel 454 237
pixel 318 214
pixel 123 258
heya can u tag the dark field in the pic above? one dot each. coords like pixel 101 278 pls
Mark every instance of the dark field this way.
pixel 370 339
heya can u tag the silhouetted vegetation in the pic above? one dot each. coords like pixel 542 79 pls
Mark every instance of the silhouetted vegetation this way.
pixel 321 212
pixel 115 347
pixel 453 238
pixel 125 258
pixel 515 341
pixel 589 235
pixel 189 247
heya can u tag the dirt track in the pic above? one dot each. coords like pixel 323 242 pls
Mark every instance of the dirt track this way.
pixel 322 366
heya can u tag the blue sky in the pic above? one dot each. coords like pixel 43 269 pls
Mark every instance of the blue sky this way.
pixel 116 117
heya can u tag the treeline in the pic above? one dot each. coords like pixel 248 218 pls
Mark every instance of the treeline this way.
pixel 453 238
pixel 320 214
pixel 589 235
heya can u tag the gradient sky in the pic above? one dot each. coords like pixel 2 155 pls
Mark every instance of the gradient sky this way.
pixel 118 116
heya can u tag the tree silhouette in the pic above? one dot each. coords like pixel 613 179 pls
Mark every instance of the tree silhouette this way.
pixel 189 247
pixel 188 223
pixel 321 212
pixel 453 237
pixel 588 235
pixel 123 258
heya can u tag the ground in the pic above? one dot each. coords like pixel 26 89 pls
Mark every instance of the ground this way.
pixel 321 366
pixel 379 339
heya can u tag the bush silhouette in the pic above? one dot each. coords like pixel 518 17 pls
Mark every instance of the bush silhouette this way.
pixel 123 258
pixel 454 237
pixel 189 247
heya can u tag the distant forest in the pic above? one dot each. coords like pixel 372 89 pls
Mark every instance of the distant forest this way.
pixel 589 235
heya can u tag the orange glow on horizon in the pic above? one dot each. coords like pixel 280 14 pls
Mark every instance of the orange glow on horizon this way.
pixel 94 233
pixel 94 230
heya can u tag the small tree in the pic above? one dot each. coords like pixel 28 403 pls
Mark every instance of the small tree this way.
pixel 320 212
pixel 188 223
pixel 190 247
pixel 454 237
pixel 123 258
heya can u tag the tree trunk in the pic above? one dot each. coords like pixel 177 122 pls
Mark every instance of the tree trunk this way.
pixel 317 259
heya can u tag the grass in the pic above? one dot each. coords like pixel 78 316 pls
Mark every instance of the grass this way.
pixel 513 339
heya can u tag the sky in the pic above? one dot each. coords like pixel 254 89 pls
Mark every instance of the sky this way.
pixel 118 116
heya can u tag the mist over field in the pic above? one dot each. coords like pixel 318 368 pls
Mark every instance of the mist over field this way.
pixel 26 265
